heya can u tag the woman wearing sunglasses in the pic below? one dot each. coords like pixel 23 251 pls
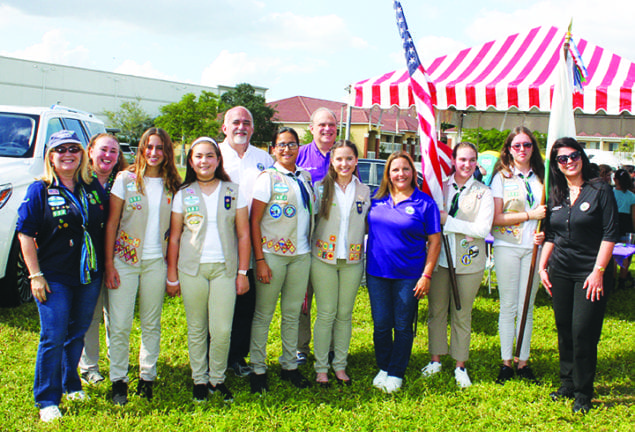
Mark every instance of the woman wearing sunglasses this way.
pixel 281 227
pixel 517 190
pixel 575 266
pixel 60 226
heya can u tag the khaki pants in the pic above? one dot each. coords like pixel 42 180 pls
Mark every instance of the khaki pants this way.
pixel 209 300
pixel 440 299
pixel 288 281
pixel 335 288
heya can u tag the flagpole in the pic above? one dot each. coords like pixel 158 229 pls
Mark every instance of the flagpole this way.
pixel 534 254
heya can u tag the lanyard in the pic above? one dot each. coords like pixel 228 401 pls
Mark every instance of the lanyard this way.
pixel 88 261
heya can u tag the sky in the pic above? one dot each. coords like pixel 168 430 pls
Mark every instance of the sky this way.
pixel 291 47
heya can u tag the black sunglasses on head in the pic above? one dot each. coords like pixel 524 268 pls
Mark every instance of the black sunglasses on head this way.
pixel 563 159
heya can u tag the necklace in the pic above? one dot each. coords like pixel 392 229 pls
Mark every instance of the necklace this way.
pixel 343 185
pixel 205 181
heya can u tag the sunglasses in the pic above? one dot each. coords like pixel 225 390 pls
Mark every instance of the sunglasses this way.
pixel 563 159
pixel 289 145
pixel 518 146
pixel 70 149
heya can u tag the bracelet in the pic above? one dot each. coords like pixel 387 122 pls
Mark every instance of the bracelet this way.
pixel 34 275
pixel 527 213
pixel 599 267
pixel 170 283
pixel 261 259
pixel 427 276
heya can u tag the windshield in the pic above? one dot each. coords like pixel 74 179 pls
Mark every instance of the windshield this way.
pixel 17 132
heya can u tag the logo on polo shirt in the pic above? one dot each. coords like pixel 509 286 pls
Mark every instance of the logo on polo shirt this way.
pixel 410 210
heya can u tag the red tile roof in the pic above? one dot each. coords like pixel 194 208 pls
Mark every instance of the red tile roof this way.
pixel 298 109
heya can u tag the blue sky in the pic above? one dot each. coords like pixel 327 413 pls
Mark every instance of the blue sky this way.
pixel 293 48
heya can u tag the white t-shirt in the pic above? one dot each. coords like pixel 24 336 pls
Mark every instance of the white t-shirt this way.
pixel 212 247
pixel 244 171
pixel 262 192
pixel 529 227
pixel 153 189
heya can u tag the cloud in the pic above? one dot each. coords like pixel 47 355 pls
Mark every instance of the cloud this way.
pixel 321 35
pixel 54 48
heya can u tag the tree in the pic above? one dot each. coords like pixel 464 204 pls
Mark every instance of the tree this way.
pixel 191 117
pixel 245 95
pixel 493 139
pixel 131 120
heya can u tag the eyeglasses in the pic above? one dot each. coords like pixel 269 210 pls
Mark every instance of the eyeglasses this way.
pixel 70 149
pixel 517 146
pixel 563 159
pixel 289 145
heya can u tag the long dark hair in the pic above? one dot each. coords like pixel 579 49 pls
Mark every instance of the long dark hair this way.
pixel 623 178
pixel 190 174
pixel 558 186
pixel 506 161
pixel 328 183
pixel 385 187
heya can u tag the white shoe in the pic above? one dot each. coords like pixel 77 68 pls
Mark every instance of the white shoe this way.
pixel 379 379
pixel 392 384
pixel 431 369
pixel 79 395
pixel 462 378
pixel 50 413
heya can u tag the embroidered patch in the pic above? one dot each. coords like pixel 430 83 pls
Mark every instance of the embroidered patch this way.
pixel 228 202
pixel 59 213
pixel 280 188
pixel 132 187
pixel 134 199
pixel 194 218
pixel 260 166
pixel 355 247
pixel 192 209
pixel 410 210
pixel 360 207
pixel 275 211
pixel 189 190
pixel 280 197
pixel 191 200
pixel 54 192
pixel 472 252
pixel 354 256
pixel 55 201
pixel 289 211
pixel 332 238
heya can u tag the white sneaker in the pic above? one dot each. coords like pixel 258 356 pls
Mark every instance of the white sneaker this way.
pixel 50 413
pixel 431 369
pixel 79 395
pixel 392 384
pixel 379 379
pixel 462 378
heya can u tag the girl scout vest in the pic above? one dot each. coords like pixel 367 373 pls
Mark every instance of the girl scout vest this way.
pixel 469 255
pixel 134 218
pixel 514 199
pixel 279 226
pixel 195 227
pixel 324 245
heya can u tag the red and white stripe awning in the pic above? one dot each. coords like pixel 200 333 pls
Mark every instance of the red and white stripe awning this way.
pixel 514 72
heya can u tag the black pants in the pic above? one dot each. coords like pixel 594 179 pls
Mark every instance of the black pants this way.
pixel 579 324
pixel 241 325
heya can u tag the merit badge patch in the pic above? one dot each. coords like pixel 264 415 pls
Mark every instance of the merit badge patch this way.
pixel 280 188
pixel 275 211
pixel 260 166
pixel 228 202
pixel 56 201
pixel 191 200
pixel 289 211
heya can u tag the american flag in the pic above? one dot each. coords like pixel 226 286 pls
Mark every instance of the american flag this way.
pixel 436 160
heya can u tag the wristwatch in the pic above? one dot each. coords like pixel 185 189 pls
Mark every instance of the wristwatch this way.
pixel 242 272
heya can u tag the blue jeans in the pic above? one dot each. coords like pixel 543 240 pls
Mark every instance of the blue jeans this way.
pixel 393 306
pixel 64 318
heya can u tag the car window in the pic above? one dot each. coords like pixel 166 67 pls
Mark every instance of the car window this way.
pixel 364 171
pixel 94 128
pixel 76 126
pixel 17 133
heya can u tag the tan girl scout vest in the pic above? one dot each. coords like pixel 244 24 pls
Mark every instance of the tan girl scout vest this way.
pixel 134 218
pixel 470 256
pixel 195 227
pixel 324 244
pixel 279 226
pixel 514 199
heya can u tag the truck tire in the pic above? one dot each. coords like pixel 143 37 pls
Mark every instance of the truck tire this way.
pixel 15 286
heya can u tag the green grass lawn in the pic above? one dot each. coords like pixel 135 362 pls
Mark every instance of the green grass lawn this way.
pixel 435 404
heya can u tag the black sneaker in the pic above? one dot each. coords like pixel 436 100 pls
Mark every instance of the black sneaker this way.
pixel 295 377
pixel 301 358
pixel 120 392
pixel 505 374
pixel 331 356
pixel 582 405
pixel 258 382
pixel 223 390
pixel 241 368
pixel 144 389
pixel 527 374
pixel 562 393
pixel 200 392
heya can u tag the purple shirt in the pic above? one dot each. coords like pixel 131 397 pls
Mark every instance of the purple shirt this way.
pixel 397 235
pixel 312 160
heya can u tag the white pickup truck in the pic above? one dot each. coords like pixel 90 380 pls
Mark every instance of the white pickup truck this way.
pixel 24 132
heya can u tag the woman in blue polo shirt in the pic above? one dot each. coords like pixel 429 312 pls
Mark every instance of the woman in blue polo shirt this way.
pixel 401 220
pixel 62 214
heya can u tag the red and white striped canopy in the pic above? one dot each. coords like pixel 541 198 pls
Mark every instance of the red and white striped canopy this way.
pixel 514 72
